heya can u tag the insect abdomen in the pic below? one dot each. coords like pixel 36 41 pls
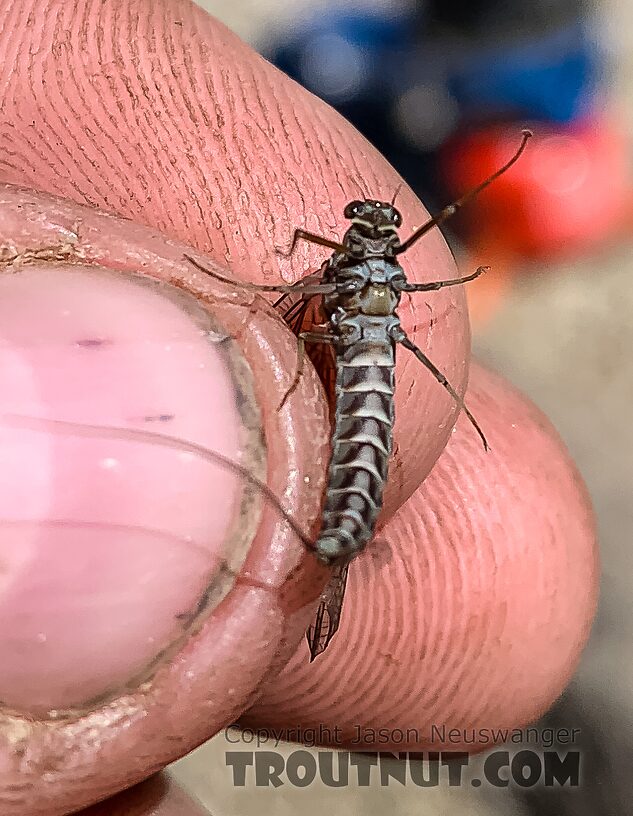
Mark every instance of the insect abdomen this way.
pixel 361 447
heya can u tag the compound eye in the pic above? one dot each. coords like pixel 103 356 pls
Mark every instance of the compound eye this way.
pixel 353 209
pixel 396 218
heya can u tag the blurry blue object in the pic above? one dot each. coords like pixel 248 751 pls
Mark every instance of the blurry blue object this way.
pixel 338 54
pixel 345 56
pixel 410 79
pixel 552 78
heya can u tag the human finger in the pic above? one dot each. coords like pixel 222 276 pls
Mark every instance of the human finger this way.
pixel 474 620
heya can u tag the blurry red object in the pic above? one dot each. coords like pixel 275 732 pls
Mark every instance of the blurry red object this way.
pixel 569 191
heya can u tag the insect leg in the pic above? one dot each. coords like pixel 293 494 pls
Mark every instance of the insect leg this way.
pixel 451 209
pixel 308 280
pixel 310 237
pixel 302 339
pixel 401 337
pixel 430 287
pixel 290 288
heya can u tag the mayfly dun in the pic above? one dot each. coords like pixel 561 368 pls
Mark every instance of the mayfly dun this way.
pixel 361 285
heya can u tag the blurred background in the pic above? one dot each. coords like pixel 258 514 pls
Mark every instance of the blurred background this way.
pixel 437 85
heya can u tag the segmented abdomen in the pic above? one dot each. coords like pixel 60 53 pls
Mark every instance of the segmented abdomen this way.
pixel 361 443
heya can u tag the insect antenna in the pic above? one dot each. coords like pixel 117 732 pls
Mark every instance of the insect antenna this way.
pixel 361 192
pixel 451 209
pixel 397 192
pixel 290 288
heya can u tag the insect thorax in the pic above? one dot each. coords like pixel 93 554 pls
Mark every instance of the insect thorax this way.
pixel 364 286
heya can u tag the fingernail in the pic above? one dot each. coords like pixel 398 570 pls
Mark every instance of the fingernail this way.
pixel 108 540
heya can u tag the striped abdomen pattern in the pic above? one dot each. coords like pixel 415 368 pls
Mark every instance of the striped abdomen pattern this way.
pixel 362 440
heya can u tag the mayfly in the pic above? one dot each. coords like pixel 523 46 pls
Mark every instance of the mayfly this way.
pixel 361 285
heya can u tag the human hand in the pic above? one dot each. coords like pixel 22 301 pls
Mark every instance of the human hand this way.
pixel 155 112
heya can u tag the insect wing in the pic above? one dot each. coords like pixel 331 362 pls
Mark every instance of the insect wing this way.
pixel 303 313
pixel 295 305
pixel 328 615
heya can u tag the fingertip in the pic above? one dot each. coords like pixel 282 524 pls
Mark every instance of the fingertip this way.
pixel 157 796
pixel 169 597
pixel 478 618
pixel 196 163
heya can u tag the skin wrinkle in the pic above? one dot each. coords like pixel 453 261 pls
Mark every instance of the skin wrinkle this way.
pixel 493 685
pixel 160 188
pixel 63 104
pixel 115 245
pixel 152 437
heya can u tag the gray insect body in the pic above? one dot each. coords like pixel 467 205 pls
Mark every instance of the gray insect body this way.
pixel 361 285
pixel 363 326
